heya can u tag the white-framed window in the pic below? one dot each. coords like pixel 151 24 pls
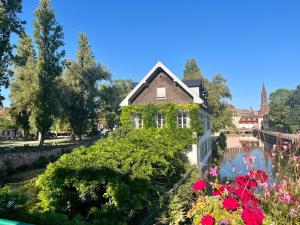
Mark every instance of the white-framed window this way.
pixel 161 93
pixel 137 121
pixel 182 119
pixel 160 120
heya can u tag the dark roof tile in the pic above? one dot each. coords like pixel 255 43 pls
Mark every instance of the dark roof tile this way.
pixel 192 83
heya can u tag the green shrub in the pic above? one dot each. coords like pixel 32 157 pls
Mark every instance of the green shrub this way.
pixel 8 168
pixel 115 177
pixel 222 141
pixel 180 202
pixel 42 161
pixel 7 193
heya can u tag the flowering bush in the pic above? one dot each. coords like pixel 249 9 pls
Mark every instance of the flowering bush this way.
pixel 232 203
pixel 252 199
pixel 281 200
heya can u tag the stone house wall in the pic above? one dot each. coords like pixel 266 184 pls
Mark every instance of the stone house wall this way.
pixel 26 158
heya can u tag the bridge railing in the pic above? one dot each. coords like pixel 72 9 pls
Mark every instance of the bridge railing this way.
pixel 292 137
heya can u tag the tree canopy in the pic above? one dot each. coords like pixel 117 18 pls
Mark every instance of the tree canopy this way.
pixel 293 119
pixel 48 35
pixel 278 108
pixel 81 95
pixel 111 95
pixel 192 71
pixel 25 76
pixel 285 110
pixel 9 23
pixel 218 93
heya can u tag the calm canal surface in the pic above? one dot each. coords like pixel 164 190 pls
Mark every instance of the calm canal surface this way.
pixel 239 148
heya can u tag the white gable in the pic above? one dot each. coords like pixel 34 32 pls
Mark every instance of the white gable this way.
pixel 196 98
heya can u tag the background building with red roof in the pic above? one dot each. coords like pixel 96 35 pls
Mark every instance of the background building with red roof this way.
pixel 248 118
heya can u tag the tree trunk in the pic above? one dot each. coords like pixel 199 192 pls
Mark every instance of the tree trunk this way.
pixel 25 137
pixel 79 136
pixel 41 139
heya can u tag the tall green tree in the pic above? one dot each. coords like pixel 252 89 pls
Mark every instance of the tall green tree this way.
pixel 48 36
pixel 293 119
pixel 192 71
pixel 9 23
pixel 279 109
pixel 23 86
pixel 112 94
pixel 82 97
pixel 218 93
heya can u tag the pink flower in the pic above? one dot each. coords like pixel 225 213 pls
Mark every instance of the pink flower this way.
pixel 214 171
pixel 199 185
pixel 267 194
pixel 249 159
pixel 253 215
pixel 230 204
pixel 293 212
pixel 207 220
pixel 259 175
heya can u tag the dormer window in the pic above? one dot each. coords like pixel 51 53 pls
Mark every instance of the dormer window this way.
pixel 161 93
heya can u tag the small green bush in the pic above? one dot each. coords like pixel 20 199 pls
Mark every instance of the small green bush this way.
pixel 222 141
pixel 179 202
pixel 7 193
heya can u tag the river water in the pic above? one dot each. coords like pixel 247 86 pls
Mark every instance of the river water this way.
pixel 241 148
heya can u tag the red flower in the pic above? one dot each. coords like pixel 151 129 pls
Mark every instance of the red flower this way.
pixel 253 215
pixel 199 185
pixel 250 202
pixel 243 193
pixel 230 204
pixel 259 175
pixel 246 181
pixel 241 180
pixel 216 192
pixel 207 220
pixel 252 183
pixel 220 190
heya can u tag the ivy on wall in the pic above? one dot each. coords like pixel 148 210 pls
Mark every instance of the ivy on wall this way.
pixel 149 111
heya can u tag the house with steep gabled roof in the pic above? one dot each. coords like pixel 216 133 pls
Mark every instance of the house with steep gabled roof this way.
pixel 161 87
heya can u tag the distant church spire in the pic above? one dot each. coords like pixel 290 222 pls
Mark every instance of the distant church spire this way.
pixel 264 106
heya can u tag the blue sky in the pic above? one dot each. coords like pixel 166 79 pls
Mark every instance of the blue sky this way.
pixel 249 42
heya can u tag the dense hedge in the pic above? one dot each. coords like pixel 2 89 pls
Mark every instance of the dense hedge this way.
pixel 115 179
pixel 148 115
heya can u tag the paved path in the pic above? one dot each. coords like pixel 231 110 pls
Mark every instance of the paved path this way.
pixel 15 143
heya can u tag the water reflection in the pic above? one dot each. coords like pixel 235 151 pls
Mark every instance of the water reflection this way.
pixel 238 147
